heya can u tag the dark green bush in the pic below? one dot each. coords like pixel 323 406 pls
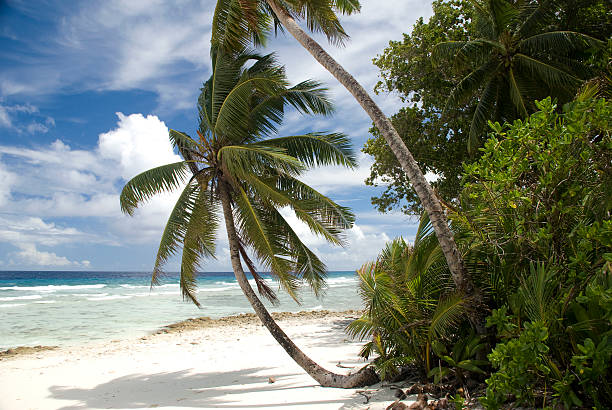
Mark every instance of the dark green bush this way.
pixel 536 210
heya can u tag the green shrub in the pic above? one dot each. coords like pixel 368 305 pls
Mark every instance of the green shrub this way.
pixel 522 363
pixel 536 214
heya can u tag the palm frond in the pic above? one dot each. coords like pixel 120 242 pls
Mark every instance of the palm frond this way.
pixel 347 7
pixel 307 266
pixel 198 242
pixel 233 119
pixel 317 149
pixel 484 112
pixel 471 83
pixel 535 16
pixel 175 229
pixel 552 76
pixel 562 42
pixel 262 287
pixel 244 160
pixel 504 14
pixel 259 237
pixel 236 23
pixel 320 17
pixel 182 141
pixel 310 212
pixel 516 95
pixel 327 210
pixel 536 294
pixel 450 312
pixel 446 51
pixel 154 181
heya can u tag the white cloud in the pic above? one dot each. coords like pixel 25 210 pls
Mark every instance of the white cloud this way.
pixel 8 114
pixel 30 256
pixel 58 181
pixel 332 179
pixel 20 230
pixel 138 143
pixel 7 179
pixel 5 119
pixel 36 127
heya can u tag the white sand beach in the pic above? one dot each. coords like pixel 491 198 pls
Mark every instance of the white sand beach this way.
pixel 201 364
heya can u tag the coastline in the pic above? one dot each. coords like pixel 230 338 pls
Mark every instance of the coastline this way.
pixel 197 363
pixel 191 324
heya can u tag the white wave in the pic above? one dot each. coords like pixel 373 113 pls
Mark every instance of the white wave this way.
pixel 28 297
pixel 109 297
pixel 342 279
pixel 53 288
pixel 222 289
pixel 45 301
pixel 10 305
pixel 135 286
pixel 153 293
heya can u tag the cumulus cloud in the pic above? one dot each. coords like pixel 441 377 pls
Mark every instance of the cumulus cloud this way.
pixel 58 181
pixel 30 256
pixel 137 144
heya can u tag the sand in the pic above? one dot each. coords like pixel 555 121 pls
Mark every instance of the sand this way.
pixel 200 363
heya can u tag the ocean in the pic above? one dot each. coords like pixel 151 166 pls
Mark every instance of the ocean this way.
pixel 68 308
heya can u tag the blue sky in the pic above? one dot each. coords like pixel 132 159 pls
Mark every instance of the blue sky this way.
pixel 88 91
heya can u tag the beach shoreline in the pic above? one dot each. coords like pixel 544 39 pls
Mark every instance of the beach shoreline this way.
pixel 196 363
pixel 188 325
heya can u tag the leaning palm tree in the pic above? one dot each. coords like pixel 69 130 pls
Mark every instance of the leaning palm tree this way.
pixel 514 60
pixel 238 167
pixel 237 22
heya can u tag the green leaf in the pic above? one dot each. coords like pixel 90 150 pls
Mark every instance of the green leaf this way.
pixel 144 186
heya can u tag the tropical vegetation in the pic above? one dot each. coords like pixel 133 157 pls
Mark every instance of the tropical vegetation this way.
pixel 512 59
pixel 239 168
pixel 534 221
pixel 438 133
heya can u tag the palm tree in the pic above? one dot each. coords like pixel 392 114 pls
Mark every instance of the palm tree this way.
pixel 237 22
pixel 513 61
pixel 238 167
pixel 410 303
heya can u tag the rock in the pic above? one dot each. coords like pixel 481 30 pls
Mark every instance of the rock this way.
pixel 397 405
pixel 420 404
pixel 399 393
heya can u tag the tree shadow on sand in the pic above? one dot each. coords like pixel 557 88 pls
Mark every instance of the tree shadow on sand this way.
pixel 185 389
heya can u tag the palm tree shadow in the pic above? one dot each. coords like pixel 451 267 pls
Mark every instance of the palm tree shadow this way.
pixel 179 389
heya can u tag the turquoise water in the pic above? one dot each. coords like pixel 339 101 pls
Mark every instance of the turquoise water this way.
pixel 67 308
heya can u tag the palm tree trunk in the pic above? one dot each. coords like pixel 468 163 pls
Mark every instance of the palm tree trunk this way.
pixel 365 376
pixel 461 276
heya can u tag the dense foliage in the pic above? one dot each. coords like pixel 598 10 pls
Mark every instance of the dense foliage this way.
pixel 514 58
pixel 537 208
pixel 438 144
pixel 411 303
pixel 535 222
pixel 437 137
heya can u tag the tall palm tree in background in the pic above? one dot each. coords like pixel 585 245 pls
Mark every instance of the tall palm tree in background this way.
pixel 514 61
pixel 237 167
pixel 237 22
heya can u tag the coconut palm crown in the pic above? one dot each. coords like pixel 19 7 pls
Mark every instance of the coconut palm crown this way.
pixel 236 22
pixel 237 155
pixel 514 60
